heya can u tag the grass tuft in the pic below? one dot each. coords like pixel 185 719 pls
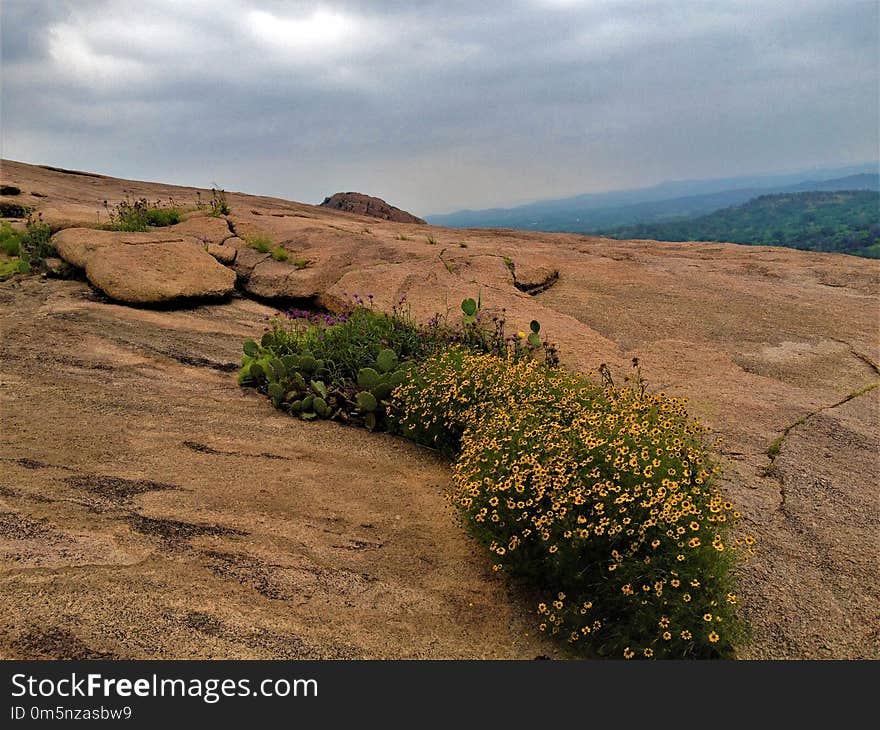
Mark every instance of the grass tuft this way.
pixel 259 242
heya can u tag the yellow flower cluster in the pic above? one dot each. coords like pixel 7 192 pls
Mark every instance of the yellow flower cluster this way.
pixel 602 494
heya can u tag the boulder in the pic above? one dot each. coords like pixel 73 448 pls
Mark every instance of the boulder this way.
pixel 280 280
pixel 78 245
pixel 145 268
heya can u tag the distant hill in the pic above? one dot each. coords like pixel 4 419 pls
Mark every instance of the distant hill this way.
pixel 839 221
pixel 592 212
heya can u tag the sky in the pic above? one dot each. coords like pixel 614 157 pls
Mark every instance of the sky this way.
pixel 436 106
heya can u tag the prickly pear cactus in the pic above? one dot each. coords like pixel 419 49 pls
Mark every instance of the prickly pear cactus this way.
pixel 368 378
pixel 256 373
pixel 251 348
pixel 321 407
pixel 366 401
pixel 319 388
pixel 308 364
pixel 387 360
pixel 276 393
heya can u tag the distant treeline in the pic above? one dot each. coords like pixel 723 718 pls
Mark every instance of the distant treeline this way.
pixel 845 221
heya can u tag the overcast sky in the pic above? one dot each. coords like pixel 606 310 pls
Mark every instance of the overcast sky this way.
pixel 436 106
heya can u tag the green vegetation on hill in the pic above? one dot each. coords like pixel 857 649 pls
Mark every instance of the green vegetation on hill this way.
pixel 842 221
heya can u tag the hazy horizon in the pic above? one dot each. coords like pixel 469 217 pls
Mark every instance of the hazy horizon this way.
pixel 437 107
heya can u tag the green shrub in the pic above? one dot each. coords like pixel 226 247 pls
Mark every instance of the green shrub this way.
pixel 301 263
pixel 12 267
pixel 340 368
pixel 347 342
pixel 27 249
pixel 140 215
pixel 511 267
pixel 10 239
pixel 358 357
pixel 279 254
pixel 36 245
pixel 158 217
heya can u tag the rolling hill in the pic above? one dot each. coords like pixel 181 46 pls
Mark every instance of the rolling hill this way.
pixel 839 221
pixel 671 200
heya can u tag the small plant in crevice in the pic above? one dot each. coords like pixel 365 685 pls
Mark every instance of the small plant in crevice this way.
pixel 260 242
pixel 279 254
pixel 301 263
pixel 447 264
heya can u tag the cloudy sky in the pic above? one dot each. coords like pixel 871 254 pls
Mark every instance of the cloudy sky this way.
pixel 439 105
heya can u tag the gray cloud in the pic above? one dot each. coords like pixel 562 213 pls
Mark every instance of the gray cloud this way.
pixel 438 105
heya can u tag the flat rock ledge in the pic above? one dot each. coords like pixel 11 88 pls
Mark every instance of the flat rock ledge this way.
pixel 145 268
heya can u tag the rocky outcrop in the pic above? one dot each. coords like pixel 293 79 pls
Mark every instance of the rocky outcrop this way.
pixel 369 206
pixel 145 268
pixel 765 343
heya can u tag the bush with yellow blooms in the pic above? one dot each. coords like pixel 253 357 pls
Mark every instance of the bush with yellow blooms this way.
pixel 600 496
